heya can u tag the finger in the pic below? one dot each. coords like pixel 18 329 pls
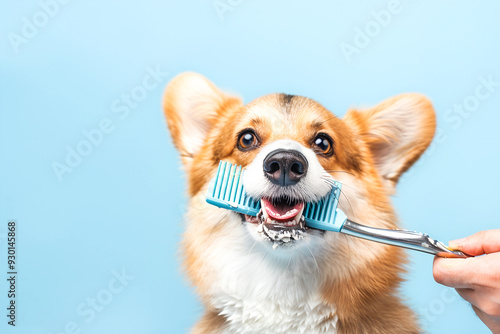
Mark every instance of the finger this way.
pixel 484 242
pixel 485 308
pixel 455 273
pixel 469 295
pixel 492 324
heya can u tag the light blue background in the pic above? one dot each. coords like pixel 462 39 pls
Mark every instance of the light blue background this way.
pixel 122 206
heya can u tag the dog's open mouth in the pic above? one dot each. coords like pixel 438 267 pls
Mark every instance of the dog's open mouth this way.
pixel 280 220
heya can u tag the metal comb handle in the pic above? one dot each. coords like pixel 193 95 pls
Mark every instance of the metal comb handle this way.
pixel 401 238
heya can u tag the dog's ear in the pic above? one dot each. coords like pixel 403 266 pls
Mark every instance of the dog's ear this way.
pixel 397 132
pixel 192 105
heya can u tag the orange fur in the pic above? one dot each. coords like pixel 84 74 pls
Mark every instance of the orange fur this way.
pixel 372 147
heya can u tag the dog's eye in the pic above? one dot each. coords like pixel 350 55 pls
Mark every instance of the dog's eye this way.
pixel 247 141
pixel 322 144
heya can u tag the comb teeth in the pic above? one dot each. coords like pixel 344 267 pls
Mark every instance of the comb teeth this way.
pixel 226 191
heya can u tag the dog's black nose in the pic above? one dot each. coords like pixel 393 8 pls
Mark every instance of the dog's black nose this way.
pixel 285 167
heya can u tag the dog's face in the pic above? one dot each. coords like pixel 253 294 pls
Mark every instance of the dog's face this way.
pixel 292 148
pixel 288 146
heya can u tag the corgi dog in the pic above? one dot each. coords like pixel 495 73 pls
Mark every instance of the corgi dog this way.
pixel 292 148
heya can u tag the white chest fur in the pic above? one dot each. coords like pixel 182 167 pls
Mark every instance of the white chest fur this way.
pixel 272 316
pixel 260 290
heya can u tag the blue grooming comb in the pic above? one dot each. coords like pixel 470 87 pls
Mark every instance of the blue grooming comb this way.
pixel 226 191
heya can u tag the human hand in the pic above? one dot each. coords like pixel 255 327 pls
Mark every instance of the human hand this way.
pixel 476 279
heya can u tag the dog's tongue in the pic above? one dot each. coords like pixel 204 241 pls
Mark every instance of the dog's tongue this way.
pixel 282 211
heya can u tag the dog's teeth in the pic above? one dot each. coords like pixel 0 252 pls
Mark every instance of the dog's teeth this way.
pixel 260 216
pixel 302 221
pixel 280 237
pixel 264 212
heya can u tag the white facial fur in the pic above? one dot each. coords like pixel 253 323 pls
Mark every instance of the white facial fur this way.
pixel 310 188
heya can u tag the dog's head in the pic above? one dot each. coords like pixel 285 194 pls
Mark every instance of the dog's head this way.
pixel 292 148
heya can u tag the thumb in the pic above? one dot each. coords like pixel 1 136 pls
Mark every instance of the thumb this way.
pixel 484 242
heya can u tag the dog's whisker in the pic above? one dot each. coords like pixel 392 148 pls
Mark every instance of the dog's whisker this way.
pixel 348 202
pixel 359 192
pixel 327 176
pixel 331 181
pixel 338 171
pixel 262 260
pixel 251 248
pixel 314 258
pixel 288 264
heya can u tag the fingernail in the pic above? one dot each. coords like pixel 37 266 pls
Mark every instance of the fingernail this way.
pixel 456 244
